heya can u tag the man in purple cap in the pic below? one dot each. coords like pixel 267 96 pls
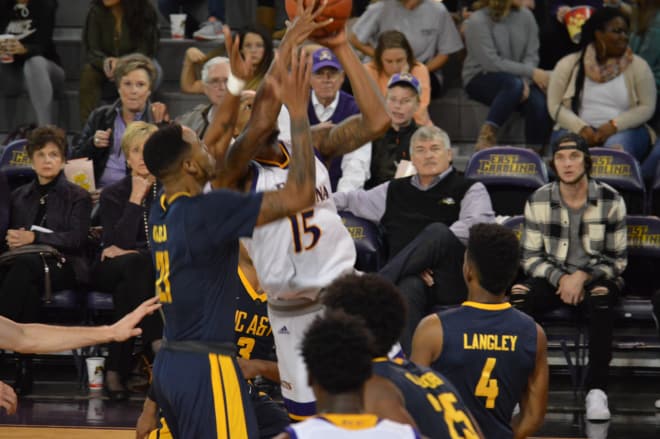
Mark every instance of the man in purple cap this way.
pixel 330 104
pixel 402 101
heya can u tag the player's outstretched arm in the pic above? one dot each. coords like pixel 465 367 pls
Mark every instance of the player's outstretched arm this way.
pixel 373 120
pixel 534 401
pixel 31 338
pixel 220 131
pixel 298 191
pixel 427 341
pixel 267 102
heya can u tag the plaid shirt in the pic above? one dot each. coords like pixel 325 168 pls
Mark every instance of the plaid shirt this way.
pixel 602 232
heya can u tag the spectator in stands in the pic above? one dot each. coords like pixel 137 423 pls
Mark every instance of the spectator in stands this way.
pixel 329 104
pixel 604 93
pixel 5 203
pixel 426 24
pixel 61 212
pixel 426 219
pixel 500 70
pixel 256 45
pixel 210 30
pixel 214 84
pixel 125 268
pixel 645 40
pixel 35 67
pixel 115 28
pixel 402 100
pixel 393 54
pixel 573 252
pixel 101 137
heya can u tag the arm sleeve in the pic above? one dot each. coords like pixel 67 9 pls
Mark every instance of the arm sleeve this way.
pixel 420 72
pixel 448 40
pixel 74 238
pixel 94 53
pixel 479 42
pixel 646 92
pixel 476 208
pixel 559 82
pixel 355 169
pixel 535 260
pixel 367 29
pixel 119 221
pixel 221 216
pixel 37 43
pixel 85 146
pixel 532 47
pixel 369 204
pixel 615 257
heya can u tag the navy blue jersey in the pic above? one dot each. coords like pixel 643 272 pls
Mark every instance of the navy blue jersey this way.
pixel 254 336
pixel 431 400
pixel 488 353
pixel 194 242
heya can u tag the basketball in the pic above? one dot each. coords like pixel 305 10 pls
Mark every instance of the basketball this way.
pixel 339 10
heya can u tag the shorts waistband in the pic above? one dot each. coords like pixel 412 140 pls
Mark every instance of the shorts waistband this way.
pixel 200 347
pixel 296 306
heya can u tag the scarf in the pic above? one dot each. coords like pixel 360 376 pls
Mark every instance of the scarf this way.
pixel 612 67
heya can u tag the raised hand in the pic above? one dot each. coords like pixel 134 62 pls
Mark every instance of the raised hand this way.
pixel 295 88
pixel 240 67
pixel 126 327
pixel 302 26
pixel 335 40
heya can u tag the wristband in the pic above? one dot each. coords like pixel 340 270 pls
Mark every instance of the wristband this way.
pixel 235 85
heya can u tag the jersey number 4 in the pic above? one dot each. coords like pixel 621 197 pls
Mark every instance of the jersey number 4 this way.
pixel 487 386
pixel 163 281
pixel 300 222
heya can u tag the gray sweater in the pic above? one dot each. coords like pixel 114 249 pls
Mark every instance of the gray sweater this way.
pixel 510 45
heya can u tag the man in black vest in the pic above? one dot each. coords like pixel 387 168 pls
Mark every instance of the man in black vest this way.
pixel 426 219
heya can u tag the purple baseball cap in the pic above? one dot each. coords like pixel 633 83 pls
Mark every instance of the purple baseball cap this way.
pixel 405 79
pixel 324 57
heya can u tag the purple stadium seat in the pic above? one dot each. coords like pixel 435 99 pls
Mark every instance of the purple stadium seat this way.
pixel 510 174
pixel 368 242
pixel 621 171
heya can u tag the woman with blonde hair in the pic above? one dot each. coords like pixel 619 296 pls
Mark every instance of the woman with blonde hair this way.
pixel 125 268
pixel 392 55
pixel 501 71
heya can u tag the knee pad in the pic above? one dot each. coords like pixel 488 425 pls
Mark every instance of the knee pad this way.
pixel 599 298
pixel 519 295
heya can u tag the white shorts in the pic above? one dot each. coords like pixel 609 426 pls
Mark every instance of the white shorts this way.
pixel 289 325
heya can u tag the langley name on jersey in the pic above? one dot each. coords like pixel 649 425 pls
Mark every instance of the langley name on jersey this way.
pixel 489 342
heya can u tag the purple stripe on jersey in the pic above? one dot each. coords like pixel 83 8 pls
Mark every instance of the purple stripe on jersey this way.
pixel 305 409
pixel 292 433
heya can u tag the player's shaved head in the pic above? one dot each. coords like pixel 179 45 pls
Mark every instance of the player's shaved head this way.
pixel 337 351
pixel 165 149
pixel 375 300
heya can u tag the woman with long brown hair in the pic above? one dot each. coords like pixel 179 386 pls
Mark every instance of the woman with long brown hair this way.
pixel 392 55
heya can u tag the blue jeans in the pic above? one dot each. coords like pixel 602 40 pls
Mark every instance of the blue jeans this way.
pixel 502 92
pixel 635 141
pixel 650 164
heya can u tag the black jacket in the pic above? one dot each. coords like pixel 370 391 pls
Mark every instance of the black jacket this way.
pixel 67 214
pixel 123 221
pixel 387 152
pixel 42 16
pixel 102 118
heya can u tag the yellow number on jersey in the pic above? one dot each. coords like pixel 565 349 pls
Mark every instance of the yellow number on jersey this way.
pixel 487 386
pixel 445 403
pixel 246 344
pixel 163 282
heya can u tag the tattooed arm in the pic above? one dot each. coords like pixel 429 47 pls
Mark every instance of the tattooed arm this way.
pixel 357 130
pixel 298 191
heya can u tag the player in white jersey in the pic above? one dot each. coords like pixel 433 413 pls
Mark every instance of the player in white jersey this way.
pixel 338 372
pixel 298 256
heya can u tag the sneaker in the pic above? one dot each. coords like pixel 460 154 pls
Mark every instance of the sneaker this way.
pixel 210 31
pixel 596 406
pixel 597 430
